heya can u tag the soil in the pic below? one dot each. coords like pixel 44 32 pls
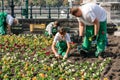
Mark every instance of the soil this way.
pixel 112 71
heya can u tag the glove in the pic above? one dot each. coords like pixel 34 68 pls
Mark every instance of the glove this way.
pixel 79 39
pixel 56 55
pixel 93 38
pixel 65 56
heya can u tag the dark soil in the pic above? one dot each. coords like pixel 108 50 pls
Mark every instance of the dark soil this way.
pixel 112 71
pixel 113 51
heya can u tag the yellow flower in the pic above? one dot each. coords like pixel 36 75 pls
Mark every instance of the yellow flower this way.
pixel 5 76
pixel 42 75
pixel 5 62
pixel 60 78
pixel 105 79
pixel 49 68
pixel 23 75
pixel 0 72
pixel 34 78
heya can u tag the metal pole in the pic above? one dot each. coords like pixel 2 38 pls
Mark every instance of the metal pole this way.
pixel 40 10
pixel 2 5
pixel 49 16
pixel 58 12
pixel 12 8
pixel 26 1
pixel 68 13
pixel 31 12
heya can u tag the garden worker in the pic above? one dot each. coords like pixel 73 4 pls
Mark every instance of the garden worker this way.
pixel 6 21
pixel 52 28
pixel 61 44
pixel 93 17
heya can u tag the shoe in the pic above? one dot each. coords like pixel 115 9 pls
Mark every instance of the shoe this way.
pixel 99 55
pixel 83 53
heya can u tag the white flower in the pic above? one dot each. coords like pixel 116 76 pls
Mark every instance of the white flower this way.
pixel 34 59
pixel 54 62
pixel 69 70
pixel 42 61
pixel 62 64
pixel 35 55
pixel 51 65
pixel 28 57
pixel 71 65
pixel 73 70
pixel 68 61
pixel 65 63
pixel 25 58
pixel 66 68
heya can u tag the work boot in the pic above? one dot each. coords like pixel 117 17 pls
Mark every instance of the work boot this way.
pixel 99 55
pixel 83 53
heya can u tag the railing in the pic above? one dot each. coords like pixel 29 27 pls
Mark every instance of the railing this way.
pixel 37 12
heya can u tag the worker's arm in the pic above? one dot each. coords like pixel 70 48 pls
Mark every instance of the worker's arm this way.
pixel 81 28
pixel 68 48
pixel 9 28
pixel 54 50
pixel 96 26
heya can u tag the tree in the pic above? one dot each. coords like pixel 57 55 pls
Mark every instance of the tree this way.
pixel 42 3
pixel 52 2
pixel 65 2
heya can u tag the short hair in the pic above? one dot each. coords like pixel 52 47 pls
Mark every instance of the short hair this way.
pixel 57 23
pixel 16 21
pixel 62 30
pixel 73 10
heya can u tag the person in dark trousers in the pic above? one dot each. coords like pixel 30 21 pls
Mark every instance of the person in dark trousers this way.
pixel 93 17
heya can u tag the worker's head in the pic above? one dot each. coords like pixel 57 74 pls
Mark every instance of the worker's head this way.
pixel 62 31
pixel 56 24
pixel 15 21
pixel 76 11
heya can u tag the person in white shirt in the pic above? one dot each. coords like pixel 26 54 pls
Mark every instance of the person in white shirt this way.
pixel 93 17
pixel 6 21
pixel 52 28
pixel 61 44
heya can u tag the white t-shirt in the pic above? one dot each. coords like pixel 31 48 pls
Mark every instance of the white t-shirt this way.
pixel 91 11
pixel 9 20
pixel 58 37
pixel 49 28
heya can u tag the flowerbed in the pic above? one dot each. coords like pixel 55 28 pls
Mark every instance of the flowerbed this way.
pixel 28 57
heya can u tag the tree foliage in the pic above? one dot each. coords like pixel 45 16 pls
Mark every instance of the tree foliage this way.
pixel 41 2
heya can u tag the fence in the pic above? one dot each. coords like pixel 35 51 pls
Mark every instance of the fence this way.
pixel 38 12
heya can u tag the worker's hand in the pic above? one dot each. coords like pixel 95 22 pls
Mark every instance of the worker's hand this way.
pixel 57 55
pixel 80 39
pixel 65 56
pixel 10 33
pixel 93 38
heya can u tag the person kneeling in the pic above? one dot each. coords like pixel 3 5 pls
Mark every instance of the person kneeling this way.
pixel 61 44
pixel 52 28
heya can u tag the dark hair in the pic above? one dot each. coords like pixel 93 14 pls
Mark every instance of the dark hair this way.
pixel 57 23
pixel 62 30
pixel 73 10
